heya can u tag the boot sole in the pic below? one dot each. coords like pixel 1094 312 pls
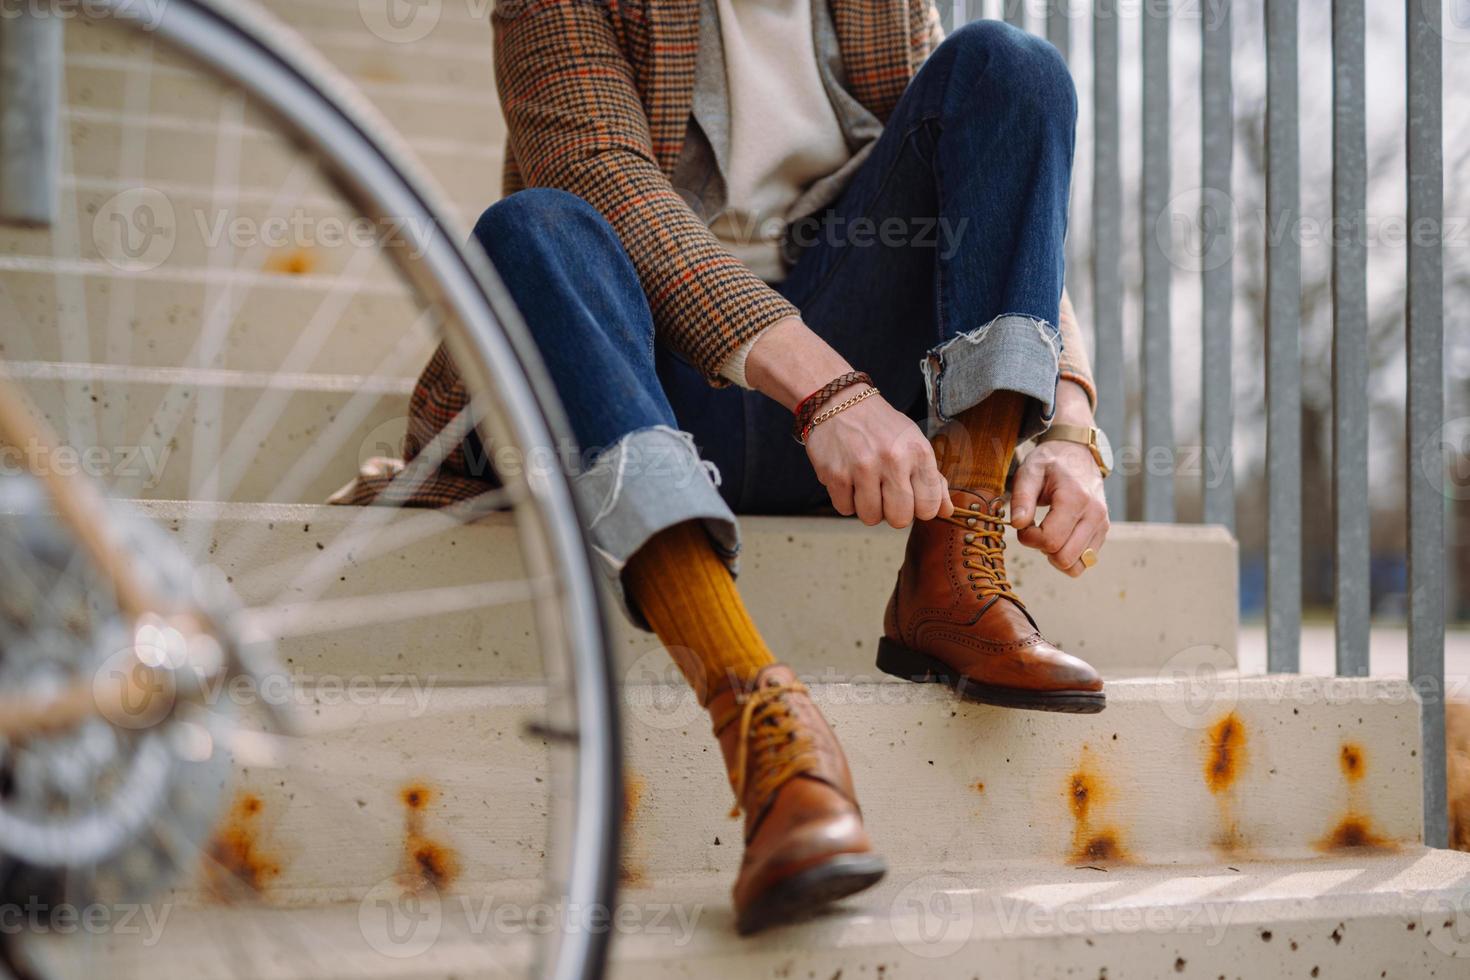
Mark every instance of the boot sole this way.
pixel 911 665
pixel 808 892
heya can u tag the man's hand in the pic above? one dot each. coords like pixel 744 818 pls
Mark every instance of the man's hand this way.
pixel 875 463
pixel 1063 476
pixel 872 458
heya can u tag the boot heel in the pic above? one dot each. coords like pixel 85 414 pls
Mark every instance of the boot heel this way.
pixel 899 661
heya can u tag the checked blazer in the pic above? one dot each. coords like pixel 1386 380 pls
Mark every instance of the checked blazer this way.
pixel 597 96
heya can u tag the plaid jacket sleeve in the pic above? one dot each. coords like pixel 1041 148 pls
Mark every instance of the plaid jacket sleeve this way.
pixel 576 123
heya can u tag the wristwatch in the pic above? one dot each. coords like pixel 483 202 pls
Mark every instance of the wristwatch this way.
pixel 1088 435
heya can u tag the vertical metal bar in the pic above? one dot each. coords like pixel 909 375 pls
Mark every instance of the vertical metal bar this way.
pixel 1349 338
pixel 1425 408
pixel 1158 402
pixel 30 92
pixel 1015 12
pixel 1059 26
pixel 1217 251
pixel 1107 232
pixel 1283 343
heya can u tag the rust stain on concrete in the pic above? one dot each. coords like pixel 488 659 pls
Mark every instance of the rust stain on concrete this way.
pixel 236 858
pixel 631 872
pixel 1093 840
pixel 1355 829
pixel 1226 756
pixel 297 262
pixel 426 861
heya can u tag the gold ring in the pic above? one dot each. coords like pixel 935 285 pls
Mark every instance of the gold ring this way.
pixel 1089 558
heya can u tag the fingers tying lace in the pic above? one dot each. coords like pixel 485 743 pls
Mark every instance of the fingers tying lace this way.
pixel 984 550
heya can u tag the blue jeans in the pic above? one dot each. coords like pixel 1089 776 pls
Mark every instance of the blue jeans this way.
pixel 939 272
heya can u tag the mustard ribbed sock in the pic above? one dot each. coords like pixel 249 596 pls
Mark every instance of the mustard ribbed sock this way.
pixel 689 598
pixel 974 450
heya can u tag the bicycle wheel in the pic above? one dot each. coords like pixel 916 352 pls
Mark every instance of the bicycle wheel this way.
pixel 223 381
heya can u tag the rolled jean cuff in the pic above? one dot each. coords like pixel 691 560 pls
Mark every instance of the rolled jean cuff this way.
pixel 1010 353
pixel 649 480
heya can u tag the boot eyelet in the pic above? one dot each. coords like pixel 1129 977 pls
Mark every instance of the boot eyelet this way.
pixel 969 539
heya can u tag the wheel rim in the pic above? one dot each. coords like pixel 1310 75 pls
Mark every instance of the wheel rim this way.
pixel 492 350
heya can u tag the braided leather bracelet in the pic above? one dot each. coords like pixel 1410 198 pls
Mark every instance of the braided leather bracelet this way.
pixel 808 406
pixel 841 407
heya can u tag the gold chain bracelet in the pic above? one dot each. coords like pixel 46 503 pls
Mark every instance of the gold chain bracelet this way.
pixel 842 407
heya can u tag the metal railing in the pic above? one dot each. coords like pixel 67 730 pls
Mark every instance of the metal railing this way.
pixel 1423 311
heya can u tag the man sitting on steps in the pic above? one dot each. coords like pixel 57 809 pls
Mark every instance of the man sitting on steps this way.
pixel 732 205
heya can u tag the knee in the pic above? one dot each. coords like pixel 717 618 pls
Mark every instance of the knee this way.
pixel 1018 67
pixel 542 220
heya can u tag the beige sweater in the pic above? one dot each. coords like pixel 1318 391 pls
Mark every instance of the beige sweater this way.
pixel 784 133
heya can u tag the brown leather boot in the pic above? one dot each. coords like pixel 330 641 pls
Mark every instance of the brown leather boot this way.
pixel 954 619
pixel 805 845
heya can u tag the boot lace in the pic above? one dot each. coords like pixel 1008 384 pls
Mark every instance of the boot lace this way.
pixel 983 552
pixel 771 735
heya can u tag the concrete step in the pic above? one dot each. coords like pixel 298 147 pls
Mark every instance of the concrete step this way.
pixel 1267 768
pixel 139 425
pixel 154 319
pixel 1162 599
pixel 1357 915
